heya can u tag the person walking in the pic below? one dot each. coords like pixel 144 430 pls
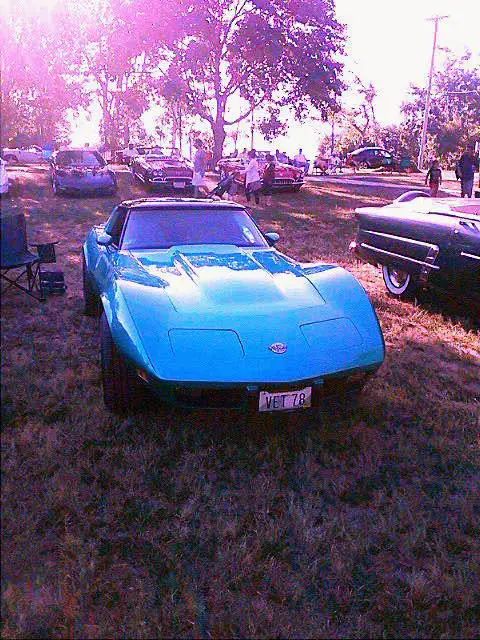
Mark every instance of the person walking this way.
pixel 434 178
pixel 268 178
pixel 466 170
pixel 199 169
pixel 253 183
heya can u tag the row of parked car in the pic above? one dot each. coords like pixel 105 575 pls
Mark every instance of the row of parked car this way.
pixel 162 170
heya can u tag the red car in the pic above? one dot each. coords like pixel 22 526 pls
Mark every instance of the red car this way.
pixel 287 177
pixel 163 170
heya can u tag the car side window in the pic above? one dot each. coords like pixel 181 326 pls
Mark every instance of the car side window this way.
pixel 114 226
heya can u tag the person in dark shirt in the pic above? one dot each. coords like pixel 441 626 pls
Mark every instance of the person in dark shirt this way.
pixel 199 169
pixel 268 178
pixel 466 171
pixel 434 178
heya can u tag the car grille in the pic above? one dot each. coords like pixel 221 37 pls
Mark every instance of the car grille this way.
pixel 212 398
pixel 283 181
pixel 177 173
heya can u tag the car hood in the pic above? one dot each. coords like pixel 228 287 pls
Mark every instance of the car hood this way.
pixel 213 313
pixel 221 280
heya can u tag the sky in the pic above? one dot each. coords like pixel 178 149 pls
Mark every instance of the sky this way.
pixel 388 44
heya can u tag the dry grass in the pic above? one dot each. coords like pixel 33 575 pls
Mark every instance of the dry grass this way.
pixel 218 525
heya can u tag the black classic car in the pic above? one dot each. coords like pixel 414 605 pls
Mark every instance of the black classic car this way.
pixel 370 158
pixel 423 241
pixel 81 171
pixel 163 171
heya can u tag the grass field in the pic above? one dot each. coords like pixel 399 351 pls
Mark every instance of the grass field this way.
pixel 173 524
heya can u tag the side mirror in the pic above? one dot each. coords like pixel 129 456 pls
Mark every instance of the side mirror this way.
pixel 271 237
pixel 104 239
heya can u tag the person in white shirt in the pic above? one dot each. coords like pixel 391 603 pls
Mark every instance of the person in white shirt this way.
pixel 253 184
pixel 301 161
pixel 129 153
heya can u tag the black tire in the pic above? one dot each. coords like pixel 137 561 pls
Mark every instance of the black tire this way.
pixel 400 284
pixel 297 188
pixel 91 301
pixel 122 390
pixel 56 192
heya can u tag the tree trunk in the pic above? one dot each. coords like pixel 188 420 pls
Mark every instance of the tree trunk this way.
pixel 218 129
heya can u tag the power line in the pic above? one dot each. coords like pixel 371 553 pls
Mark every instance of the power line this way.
pixel 436 20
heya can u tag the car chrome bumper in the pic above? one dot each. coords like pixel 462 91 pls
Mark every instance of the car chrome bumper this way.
pixel 246 396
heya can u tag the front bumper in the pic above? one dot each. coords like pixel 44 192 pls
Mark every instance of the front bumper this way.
pixel 285 184
pixel 166 183
pixel 245 396
pixel 82 185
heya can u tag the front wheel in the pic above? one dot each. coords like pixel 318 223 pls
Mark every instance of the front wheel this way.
pixel 399 283
pixel 122 390
pixel 55 188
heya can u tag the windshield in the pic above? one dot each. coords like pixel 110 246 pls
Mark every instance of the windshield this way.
pixel 162 229
pixel 79 157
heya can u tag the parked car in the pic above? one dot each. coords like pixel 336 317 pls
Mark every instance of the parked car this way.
pixel 423 241
pixel 163 170
pixel 24 155
pixel 81 171
pixel 199 307
pixel 287 177
pixel 3 177
pixel 370 158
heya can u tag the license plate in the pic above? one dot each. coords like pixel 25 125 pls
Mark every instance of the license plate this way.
pixel 178 185
pixel 282 401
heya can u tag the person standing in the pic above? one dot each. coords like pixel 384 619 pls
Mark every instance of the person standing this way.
pixel 129 153
pixel 434 178
pixel 253 183
pixel 268 178
pixel 466 170
pixel 199 169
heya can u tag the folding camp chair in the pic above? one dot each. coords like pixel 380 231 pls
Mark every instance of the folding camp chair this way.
pixel 19 267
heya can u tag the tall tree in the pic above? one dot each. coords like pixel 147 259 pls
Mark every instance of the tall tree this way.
pixel 454 118
pixel 234 56
pixel 37 85
pixel 121 50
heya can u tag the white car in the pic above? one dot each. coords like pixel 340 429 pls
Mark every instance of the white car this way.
pixel 24 155
pixel 3 177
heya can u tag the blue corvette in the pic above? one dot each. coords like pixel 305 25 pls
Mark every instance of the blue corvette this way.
pixel 198 306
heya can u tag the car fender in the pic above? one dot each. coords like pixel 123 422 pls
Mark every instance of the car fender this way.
pixel 342 290
pixel 123 328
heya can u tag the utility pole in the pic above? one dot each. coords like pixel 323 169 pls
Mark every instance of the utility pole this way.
pixel 252 129
pixel 332 139
pixel 436 20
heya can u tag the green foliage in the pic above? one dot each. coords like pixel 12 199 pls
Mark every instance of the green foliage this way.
pixel 37 84
pixel 454 118
pixel 259 52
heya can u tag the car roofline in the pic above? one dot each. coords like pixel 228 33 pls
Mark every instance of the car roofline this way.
pixel 185 203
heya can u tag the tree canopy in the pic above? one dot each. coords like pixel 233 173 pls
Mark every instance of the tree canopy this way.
pixel 216 59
